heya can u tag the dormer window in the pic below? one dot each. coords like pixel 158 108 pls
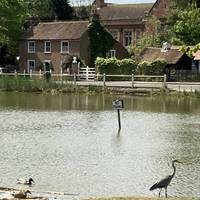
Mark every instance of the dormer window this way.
pixel 47 47
pixel 31 47
pixel 64 46
pixel 111 53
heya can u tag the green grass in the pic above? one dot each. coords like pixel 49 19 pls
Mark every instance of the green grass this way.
pixel 27 84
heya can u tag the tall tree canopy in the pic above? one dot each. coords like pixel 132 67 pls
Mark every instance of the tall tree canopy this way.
pixel 12 16
pixel 62 9
pixel 40 8
pixel 187 26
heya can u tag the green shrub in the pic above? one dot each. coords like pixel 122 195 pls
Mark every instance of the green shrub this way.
pixel 113 66
pixel 151 68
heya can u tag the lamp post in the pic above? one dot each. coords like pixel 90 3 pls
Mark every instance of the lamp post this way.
pixel 17 63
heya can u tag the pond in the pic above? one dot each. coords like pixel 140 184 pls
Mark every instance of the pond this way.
pixel 70 143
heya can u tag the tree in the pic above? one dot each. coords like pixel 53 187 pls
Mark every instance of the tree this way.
pixel 101 41
pixel 12 16
pixel 187 27
pixel 40 8
pixel 62 9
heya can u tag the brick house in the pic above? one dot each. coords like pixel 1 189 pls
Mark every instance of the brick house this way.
pixel 127 22
pixel 50 44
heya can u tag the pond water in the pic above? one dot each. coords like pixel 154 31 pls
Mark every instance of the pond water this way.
pixel 70 143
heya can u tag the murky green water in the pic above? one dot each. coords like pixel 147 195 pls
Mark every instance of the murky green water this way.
pixel 70 143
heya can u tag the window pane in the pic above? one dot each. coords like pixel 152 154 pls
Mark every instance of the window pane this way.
pixel 47 46
pixel 31 47
pixel 127 38
pixel 65 46
pixel 31 65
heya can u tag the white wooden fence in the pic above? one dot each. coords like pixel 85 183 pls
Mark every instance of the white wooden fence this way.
pixel 86 73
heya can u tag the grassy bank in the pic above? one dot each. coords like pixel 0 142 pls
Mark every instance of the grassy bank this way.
pixel 27 84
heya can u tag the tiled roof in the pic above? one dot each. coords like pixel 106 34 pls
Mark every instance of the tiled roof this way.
pixel 171 56
pixel 57 30
pixel 124 11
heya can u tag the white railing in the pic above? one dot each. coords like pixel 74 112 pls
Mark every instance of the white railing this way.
pixel 86 73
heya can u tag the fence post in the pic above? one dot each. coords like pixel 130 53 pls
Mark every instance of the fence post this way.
pixel 74 80
pixel 87 73
pixel 61 74
pixel 31 72
pixel 40 73
pixel 104 81
pixel 15 73
pixel 132 80
pixel 164 80
pixel 78 70
pixel 24 73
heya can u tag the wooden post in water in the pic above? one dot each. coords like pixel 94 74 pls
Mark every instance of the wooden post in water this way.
pixel 118 105
pixel 119 120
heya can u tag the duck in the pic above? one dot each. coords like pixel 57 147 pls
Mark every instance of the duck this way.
pixel 21 194
pixel 25 181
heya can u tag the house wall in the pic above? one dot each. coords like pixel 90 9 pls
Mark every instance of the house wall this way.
pixel 134 28
pixel 56 57
pixel 185 63
pixel 160 8
pixel 121 52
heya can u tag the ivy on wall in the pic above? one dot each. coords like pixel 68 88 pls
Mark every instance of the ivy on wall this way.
pixel 101 41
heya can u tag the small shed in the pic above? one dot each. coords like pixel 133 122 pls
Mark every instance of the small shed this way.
pixel 175 59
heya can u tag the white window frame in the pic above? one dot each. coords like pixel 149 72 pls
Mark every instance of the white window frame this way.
pixel 124 39
pixel 111 53
pixel 28 65
pixel 46 61
pixel 30 50
pixel 45 47
pixel 61 46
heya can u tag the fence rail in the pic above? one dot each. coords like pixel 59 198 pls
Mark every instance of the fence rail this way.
pixel 104 79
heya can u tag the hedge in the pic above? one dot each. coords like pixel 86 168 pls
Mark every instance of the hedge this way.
pixel 151 68
pixel 113 66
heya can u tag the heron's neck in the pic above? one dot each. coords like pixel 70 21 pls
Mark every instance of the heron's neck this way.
pixel 174 169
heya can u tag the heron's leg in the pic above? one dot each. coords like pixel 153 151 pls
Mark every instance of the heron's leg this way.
pixel 166 192
pixel 159 192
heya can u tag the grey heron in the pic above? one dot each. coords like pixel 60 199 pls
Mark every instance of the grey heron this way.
pixel 163 183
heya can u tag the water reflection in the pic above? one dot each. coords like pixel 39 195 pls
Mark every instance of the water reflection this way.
pixel 97 102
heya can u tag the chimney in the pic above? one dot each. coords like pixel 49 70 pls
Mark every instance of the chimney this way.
pixel 166 47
